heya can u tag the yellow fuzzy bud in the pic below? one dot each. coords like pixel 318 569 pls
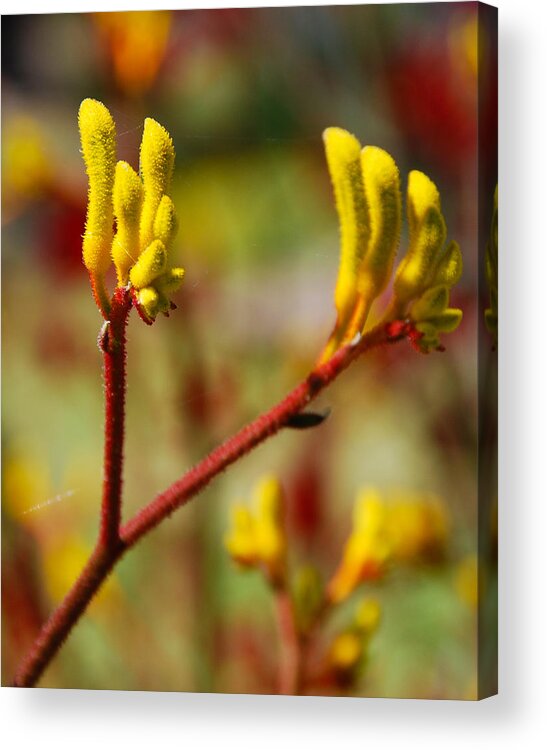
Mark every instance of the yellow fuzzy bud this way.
pixel 98 138
pixel 432 302
pixel 157 158
pixel 149 266
pixel 343 152
pixel 427 234
pixel 450 265
pixel 170 281
pixel 148 299
pixel 165 223
pixel 431 320
pixel 128 198
pixel 423 194
pixel 430 339
pixel 448 321
pixel 383 196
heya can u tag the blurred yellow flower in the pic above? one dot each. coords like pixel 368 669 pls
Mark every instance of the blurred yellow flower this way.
pixel 417 528
pixel 406 528
pixel 259 537
pixel 367 550
pixel 137 44
pixel 240 539
pixel 464 44
pixel 63 561
pixel 348 649
pixel 26 484
pixel 26 164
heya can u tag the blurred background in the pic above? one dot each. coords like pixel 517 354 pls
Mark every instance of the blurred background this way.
pixel 245 94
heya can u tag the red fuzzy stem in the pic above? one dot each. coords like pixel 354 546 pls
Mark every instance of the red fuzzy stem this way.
pixel 61 622
pixel 112 343
pixel 253 434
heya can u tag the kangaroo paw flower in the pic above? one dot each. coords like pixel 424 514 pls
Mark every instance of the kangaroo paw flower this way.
pixel 367 190
pixel 145 216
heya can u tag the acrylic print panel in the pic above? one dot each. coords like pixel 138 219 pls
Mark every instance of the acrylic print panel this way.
pixel 250 287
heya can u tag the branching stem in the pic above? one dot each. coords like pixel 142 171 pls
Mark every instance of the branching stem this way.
pixel 113 541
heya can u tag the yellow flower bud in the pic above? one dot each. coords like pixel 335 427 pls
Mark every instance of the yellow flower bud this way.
pixel 157 160
pixel 170 281
pixel 427 235
pixel 450 265
pixel 149 266
pixel 448 321
pixel 149 299
pixel 165 223
pixel 343 152
pixel 432 302
pixel 430 339
pixel 128 198
pixel 98 138
pixel 433 324
pixel 383 196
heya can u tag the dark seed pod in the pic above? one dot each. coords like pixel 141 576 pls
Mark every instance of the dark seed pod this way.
pixel 305 420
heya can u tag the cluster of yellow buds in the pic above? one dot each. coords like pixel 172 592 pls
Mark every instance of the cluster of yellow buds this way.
pixel 403 529
pixel 491 314
pixel 348 650
pixel 367 190
pixel 258 537
pixel 145 217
